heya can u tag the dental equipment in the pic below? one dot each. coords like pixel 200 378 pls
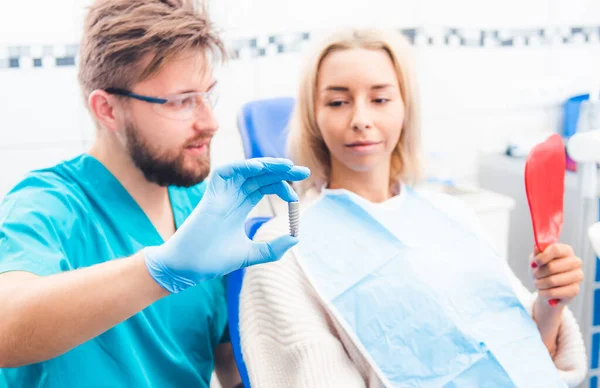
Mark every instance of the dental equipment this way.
pixel 584 148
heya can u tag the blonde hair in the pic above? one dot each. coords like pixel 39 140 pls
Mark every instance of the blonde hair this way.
pixel 305 143
pixel 119 33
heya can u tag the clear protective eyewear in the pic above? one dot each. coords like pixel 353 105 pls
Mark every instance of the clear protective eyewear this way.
pixel 180 107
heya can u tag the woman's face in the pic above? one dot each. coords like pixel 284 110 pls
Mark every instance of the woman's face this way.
pixel 359 110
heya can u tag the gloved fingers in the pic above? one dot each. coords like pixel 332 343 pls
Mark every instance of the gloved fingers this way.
pixel 282 189
pixel 296 173
pixel 253 167
pixel 270 251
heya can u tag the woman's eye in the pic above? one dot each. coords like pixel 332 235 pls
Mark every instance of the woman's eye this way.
pixel 381 100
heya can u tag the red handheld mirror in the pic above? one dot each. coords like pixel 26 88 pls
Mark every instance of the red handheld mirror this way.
pixel 545 186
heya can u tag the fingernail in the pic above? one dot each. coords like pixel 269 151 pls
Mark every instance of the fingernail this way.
pixel 533 264
pixel 553 302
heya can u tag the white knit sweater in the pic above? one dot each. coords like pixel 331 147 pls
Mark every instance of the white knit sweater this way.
pixel 290 340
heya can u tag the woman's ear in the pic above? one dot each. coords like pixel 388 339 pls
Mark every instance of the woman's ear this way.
pixel 102 106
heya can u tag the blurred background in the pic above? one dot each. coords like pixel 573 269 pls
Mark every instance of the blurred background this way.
pixel 495 78
pixel 489 71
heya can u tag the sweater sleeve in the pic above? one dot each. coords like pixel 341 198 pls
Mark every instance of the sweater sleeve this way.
pixel 570 358
pixel 288 339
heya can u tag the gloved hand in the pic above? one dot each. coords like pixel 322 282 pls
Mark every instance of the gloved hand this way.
pixel 212 241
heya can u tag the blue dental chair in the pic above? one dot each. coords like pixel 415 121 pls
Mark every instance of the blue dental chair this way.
pixel 263 128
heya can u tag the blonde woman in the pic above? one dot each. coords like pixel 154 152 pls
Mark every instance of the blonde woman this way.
pixel 390 286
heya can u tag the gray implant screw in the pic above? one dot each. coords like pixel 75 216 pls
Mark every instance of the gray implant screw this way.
pixel 294 218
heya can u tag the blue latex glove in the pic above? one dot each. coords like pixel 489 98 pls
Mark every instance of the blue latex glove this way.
pixel 212 241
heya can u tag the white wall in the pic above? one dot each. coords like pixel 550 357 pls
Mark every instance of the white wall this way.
pixel 474 98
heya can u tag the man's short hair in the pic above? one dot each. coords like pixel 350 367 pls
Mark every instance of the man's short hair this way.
pixel 118 34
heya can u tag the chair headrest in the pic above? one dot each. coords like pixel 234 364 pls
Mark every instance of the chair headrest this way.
pixel 263 125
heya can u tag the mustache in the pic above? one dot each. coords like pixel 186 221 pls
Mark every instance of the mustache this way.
pixel 199 139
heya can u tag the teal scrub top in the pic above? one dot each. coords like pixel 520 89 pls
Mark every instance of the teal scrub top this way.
pixel 75 215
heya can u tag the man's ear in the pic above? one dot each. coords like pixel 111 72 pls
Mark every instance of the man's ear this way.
pixel 102 105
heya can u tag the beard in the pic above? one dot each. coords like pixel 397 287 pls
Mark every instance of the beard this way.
pixel 166 168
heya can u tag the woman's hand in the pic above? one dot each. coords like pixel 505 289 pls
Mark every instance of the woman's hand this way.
pixel 557 274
